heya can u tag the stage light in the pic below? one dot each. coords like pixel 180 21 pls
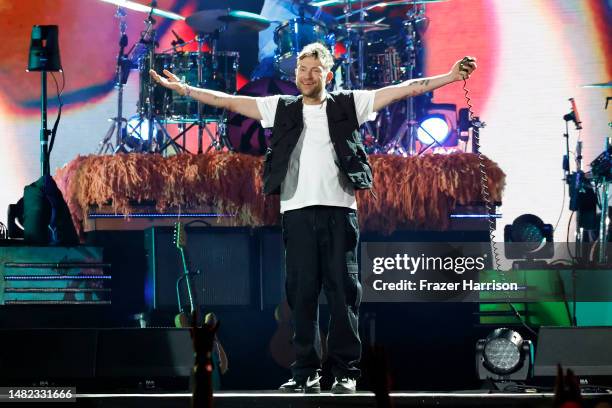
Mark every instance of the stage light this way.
pixel 437 130
pixel 137 133
pixel 138 127
pixel 433 130
pixel 528 238
pixel 503 355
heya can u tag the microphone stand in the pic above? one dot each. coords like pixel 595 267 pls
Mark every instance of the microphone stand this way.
pixel 44 56
pixel 45 167
pixel 122 71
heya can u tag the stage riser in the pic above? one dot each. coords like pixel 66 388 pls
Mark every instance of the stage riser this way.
pixel 423 400
pixel 409 331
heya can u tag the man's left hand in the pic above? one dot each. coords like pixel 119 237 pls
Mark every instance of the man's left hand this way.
pixel 463 68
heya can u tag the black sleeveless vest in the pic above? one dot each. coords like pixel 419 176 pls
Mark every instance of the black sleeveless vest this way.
pixel 343 131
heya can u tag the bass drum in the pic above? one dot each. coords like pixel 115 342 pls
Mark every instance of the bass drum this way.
pixel 245 135
pixel 218 75
pixel 291 36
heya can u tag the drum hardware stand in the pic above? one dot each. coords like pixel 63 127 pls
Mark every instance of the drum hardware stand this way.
pixel 219 140
pixel 162 139
pixel 122 72
pixel 603 217
pixel 603 191
pixel 348 62
pixel 175 47
pixel 361 51
pixel 183 129
pixel 360 77
pixel 575 179
pixel 215 140
pixel 201 124
pixel 409 127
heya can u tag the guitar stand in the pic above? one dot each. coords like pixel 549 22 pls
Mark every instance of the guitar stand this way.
pixel 181 307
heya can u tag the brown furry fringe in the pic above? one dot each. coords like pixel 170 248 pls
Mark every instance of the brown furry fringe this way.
pixel 413 192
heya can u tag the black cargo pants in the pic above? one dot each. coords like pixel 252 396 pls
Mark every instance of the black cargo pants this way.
pixel 321 252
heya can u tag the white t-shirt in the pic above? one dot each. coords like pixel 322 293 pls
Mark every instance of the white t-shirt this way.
pixel 321 182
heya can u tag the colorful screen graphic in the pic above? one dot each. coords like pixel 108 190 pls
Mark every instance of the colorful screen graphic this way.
pixel 532 57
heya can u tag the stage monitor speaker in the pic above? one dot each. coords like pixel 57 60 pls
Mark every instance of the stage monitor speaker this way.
pixel 97 359
pixel 32 356
pixel 135 358
pixel 226 258
pixel 586 350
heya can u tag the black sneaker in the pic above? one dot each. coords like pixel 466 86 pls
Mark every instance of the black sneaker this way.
pixel 344 385
pixel 312 385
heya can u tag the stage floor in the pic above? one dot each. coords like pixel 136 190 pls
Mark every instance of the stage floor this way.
pixel 273 399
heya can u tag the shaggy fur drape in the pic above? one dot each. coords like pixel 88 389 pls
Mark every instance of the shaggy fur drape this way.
pixel 411 193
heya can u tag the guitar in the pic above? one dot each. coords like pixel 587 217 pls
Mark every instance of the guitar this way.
pixel 186 310
pixel 281 343
pixel 183 319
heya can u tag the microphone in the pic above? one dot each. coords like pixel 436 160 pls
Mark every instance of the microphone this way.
pixel 179 40
pixel 576 118
pixel 153 6
pixel 123 42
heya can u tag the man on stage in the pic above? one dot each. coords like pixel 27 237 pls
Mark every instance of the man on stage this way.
pixel 316 161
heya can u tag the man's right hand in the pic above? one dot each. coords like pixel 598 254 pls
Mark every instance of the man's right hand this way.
pixel 244 105
pixel 171 81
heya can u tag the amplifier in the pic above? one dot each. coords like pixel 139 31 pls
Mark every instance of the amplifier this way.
pixel 226 258
pixel 586 350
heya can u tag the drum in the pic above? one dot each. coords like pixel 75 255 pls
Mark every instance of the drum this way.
pixel 171 106
pixel 291 36
pixel 383 67
pixel 246 135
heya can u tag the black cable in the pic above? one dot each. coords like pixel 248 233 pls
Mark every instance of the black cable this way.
pixel 562 207
pixel 198 221
pixel 569 250
pixel 486 196
pixel 524 387
pixel 59 112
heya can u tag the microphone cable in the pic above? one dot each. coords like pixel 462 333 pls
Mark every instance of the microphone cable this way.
pixel 486 194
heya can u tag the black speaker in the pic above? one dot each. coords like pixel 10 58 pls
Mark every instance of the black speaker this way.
pixel 586 350
pixel 226 258
pixel 97 359
pixel 151 358
pixel 44 49
pixel 47 355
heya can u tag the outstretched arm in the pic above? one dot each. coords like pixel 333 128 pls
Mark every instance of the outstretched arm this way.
pixel 390 94
pixel 244 105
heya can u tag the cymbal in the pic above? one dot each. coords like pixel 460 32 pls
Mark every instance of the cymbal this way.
pixel 599 85
pixel 330 3
pixel 208 21
pixel 246 19
pixel 364 26
pixel 132 5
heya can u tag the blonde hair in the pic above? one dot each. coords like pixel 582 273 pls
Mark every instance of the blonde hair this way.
pixel 318 51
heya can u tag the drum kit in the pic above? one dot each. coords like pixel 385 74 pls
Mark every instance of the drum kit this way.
pixel 368 55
